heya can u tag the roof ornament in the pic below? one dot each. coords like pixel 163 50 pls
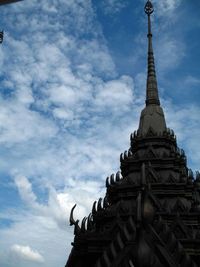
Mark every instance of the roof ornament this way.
pixel 71 219
pixel 152 89
pixel 148 8
pixel 73 222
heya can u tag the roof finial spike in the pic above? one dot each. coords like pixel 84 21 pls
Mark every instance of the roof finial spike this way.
pixel 152 116
pixel 152 88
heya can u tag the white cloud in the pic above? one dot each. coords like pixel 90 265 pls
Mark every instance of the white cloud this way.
pixel 115 94
pixel 19 124
pixel 45 226
pixel 25 189
pixel 170 53
pixel 191 80
pixel 27 253
pixel 62 113
pixel 52 242
pixel 59 203
pixel 168 5
pixel 113 6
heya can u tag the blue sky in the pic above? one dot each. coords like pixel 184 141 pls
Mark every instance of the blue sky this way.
pixel 72 85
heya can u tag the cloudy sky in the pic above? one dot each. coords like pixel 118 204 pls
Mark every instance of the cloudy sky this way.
pixel 72 84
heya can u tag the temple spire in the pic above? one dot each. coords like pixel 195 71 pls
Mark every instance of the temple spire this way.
pixel 152 117
pixel 151 89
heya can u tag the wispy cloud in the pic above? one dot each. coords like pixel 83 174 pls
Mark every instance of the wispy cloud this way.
pixel 113 6
pixel 165 7
pixel 170 53
pixel 26 253
pixel 191 80
pixel 25 189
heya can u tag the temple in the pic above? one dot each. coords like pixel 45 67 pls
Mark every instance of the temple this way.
pixel 150 216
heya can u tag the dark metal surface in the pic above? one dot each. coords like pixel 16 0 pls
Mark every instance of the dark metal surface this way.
pixel 5 2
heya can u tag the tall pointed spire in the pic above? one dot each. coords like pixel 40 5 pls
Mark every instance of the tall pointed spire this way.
pixel 152 116
pixel 152 89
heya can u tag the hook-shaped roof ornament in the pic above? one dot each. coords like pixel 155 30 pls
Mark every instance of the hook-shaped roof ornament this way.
pixel 71 220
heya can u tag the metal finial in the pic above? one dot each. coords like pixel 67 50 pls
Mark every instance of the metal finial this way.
pixel 148 9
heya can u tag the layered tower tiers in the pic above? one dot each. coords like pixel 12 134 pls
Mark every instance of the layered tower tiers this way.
pixel 150 216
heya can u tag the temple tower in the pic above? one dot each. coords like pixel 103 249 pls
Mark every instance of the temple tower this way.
pixel 150 216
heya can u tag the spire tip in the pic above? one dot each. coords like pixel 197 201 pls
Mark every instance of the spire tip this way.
pixel 148 9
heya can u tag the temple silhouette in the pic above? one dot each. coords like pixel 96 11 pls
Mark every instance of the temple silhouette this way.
pixel 150 216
